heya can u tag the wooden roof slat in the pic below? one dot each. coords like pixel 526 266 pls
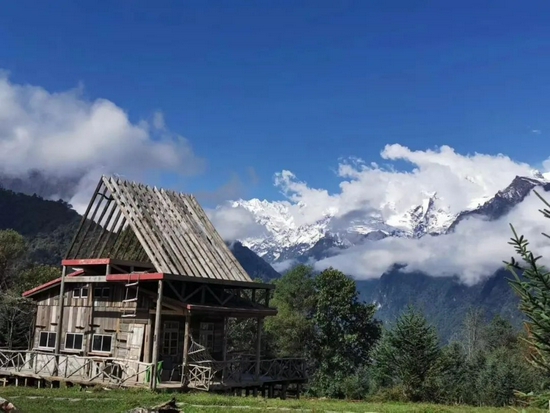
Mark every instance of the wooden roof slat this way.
pixel 190 233
pixel 218 247
pixel 210 228
pixel 137 221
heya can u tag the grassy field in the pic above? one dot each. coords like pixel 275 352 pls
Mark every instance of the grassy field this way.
pixel 30 400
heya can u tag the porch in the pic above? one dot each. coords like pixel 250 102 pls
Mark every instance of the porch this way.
pixel 113 372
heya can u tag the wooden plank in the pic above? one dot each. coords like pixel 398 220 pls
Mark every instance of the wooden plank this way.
pixel 166 229
pixel 134 277
pixel 86 279
pixel 218 246
pixel 139 223
pixel 191 267
pixel 83 220
pixel 228 258
pixel 134 216
pixel 156 339
pixel 204 243
pixel 193 246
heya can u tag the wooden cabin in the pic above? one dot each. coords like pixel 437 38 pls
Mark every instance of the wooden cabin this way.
pixel 148 289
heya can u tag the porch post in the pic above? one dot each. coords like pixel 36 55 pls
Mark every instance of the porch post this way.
pixel 59 326
pixel 156 337
pixel 225 328
pixel 186 346
pixel 258 347
pixel 61 306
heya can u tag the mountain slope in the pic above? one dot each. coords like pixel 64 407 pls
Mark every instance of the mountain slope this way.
pixel 444 300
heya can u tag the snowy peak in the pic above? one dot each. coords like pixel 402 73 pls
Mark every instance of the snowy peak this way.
pixel 430 217
pixel 284 239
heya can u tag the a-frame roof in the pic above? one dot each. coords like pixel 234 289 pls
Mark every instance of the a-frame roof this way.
pixel 130 221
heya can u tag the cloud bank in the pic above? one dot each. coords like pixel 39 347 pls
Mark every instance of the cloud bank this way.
pixel 64 135
pixel 462 181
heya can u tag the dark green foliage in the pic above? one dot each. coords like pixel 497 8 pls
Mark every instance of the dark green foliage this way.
pixel 293 327
pixel 534 292
pixel 345 332
pixel 48 226
pixel 12 249
pixel 408 354
pixel 444 301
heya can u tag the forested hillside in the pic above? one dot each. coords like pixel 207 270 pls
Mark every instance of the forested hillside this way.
pixel 48 226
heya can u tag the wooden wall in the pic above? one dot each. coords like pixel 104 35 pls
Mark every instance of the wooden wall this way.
pixel 96 315
pixel 132 336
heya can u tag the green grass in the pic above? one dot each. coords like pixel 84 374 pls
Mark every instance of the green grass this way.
pixel 30 400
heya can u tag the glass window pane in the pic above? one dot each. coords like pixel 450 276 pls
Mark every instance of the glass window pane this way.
pixel 84 292
pixel 69 341
pixel 51 340
pixel 96 343
pixel 106 343
pixel 78 341
pixel 43 339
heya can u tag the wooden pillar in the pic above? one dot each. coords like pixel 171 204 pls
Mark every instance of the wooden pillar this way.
pixel 61 306
pixel 59 326
pixel 225 327
pixel 258 347
pixel 156 338
pixel 186 347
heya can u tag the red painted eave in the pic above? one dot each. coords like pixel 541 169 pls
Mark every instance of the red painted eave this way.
pixel 134 277
pixel 49 284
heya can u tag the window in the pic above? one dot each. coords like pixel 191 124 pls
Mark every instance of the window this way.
pixel 47 340
pixel 101 292
pixel 206 335
pixel 80 292
pixel 73 341
pixel 102 343
pixel 170 339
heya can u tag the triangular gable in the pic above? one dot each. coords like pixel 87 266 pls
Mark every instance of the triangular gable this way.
pixel 131 221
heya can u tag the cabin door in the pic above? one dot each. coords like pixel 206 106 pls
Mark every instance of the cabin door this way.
pixel 170 352
pixel 135 341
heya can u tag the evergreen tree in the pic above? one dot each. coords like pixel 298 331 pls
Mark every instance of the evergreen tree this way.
pixel 533 288
pixel 345 333
pixel 408 354
pixel 292 328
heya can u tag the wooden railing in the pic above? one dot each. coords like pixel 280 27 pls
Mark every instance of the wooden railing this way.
pixel 203 374
pixel 101 370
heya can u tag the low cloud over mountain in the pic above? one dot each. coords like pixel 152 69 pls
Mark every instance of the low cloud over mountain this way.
pixel 384 217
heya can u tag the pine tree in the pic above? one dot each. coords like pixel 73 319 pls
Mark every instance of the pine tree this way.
pixel 533 288
pixel 408 354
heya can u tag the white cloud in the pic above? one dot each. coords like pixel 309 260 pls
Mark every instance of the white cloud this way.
pixel 458 180
pixel 282 266
pixel 234 223
pixel 65 135
pixel 474 251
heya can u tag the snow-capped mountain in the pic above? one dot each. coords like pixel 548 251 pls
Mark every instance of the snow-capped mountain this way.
pixel 284 239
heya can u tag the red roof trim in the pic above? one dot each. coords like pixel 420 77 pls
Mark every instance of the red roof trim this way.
pixel 49 284
pixel 155 276
pixel 109 278
pixel 93 261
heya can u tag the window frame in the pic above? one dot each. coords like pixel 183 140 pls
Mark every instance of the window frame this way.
pixel 80 290
pixel 102 295
pixel 92 350
pixel 73 349
pixel 206 333
pixel 49 333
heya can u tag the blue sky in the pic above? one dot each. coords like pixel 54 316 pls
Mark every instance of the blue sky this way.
pixel 297 85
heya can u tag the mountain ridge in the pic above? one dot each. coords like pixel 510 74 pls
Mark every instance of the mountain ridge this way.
pixel 283 240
